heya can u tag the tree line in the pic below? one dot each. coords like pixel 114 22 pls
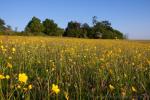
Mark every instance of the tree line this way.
pixel 99 29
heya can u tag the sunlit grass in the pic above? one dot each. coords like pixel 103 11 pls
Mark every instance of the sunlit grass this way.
pixel 41 68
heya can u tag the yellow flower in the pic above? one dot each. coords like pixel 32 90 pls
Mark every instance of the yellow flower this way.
pixel 30 87
pixel 101 59
pixel 66 95
pixel 13 49
pixel 9 58
pixel 133 63
pixel 119 50
pixel 4 50
pixel 18 86
pixel 123 93
pixel 133 89
pixel 111 87
pixel 148 62
pixel 55 88
pixel 25 89
pixel 125 75
pixel 9 65
pixel 23 77
pixel 2 77
pixel 2 47
pixel 111 71
pixel 7 77
pixel 47 70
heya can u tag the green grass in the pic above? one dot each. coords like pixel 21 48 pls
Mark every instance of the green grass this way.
pixel 82 68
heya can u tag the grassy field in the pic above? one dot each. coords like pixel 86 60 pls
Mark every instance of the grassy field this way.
pixel 43 68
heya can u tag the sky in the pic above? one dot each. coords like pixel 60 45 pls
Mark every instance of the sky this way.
pixel 132 17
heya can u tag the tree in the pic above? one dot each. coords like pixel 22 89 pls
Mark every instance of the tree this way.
pixel 104 30
pixel 86 30
pixel 94 20
pixel 9 28
pixel 2 25
pixel 50 28
pixel 118 34
pixel 2 22
pixel 97 30
pixel 34 26
pixel 73 29
pixel 5 29
pixel 106 23
pixel 59 32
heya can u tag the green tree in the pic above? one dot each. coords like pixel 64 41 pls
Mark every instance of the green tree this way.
pixel 5 29
pixel 2 22
pixel 50 28
pixel 34 26
pixel 106 23
pixel 59 32
pixel 98 30
pixel 73 29
pixel 2 25
pixel 94 20
pixel 86 30
pixel 104 30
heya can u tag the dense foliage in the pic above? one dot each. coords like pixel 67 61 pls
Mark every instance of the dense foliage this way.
pixel 34 26
pixel 99 29
pixel 5 29
pixel 51 28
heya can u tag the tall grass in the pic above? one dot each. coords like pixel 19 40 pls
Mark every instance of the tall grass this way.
pixel 82 69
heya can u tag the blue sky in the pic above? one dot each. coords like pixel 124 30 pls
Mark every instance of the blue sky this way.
pixel 131 17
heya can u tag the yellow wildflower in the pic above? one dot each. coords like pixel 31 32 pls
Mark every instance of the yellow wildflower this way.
pixel 55 88
pixel 133 63
pixel 30 87
pixel 133 89
pixel 23 77
pixel 119 50
pixel 66 95
pixel 148 61
pixel 2 77
pixel 25 89
pixel 125 75
pixel 123 93
pixel 9 65
pixel 101 59
pixel 111 87
pixel 13 49
pixel 2 47
pixel 7 77
pixel 111 71
pixel 9 58
pixel 18 86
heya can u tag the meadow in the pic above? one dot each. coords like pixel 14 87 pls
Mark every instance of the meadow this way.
pixel 49 68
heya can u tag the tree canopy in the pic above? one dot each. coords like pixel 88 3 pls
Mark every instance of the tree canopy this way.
pixel 99 29
pixel 2 23
pixel 34 26
pixel 51 28
pixel 5 29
